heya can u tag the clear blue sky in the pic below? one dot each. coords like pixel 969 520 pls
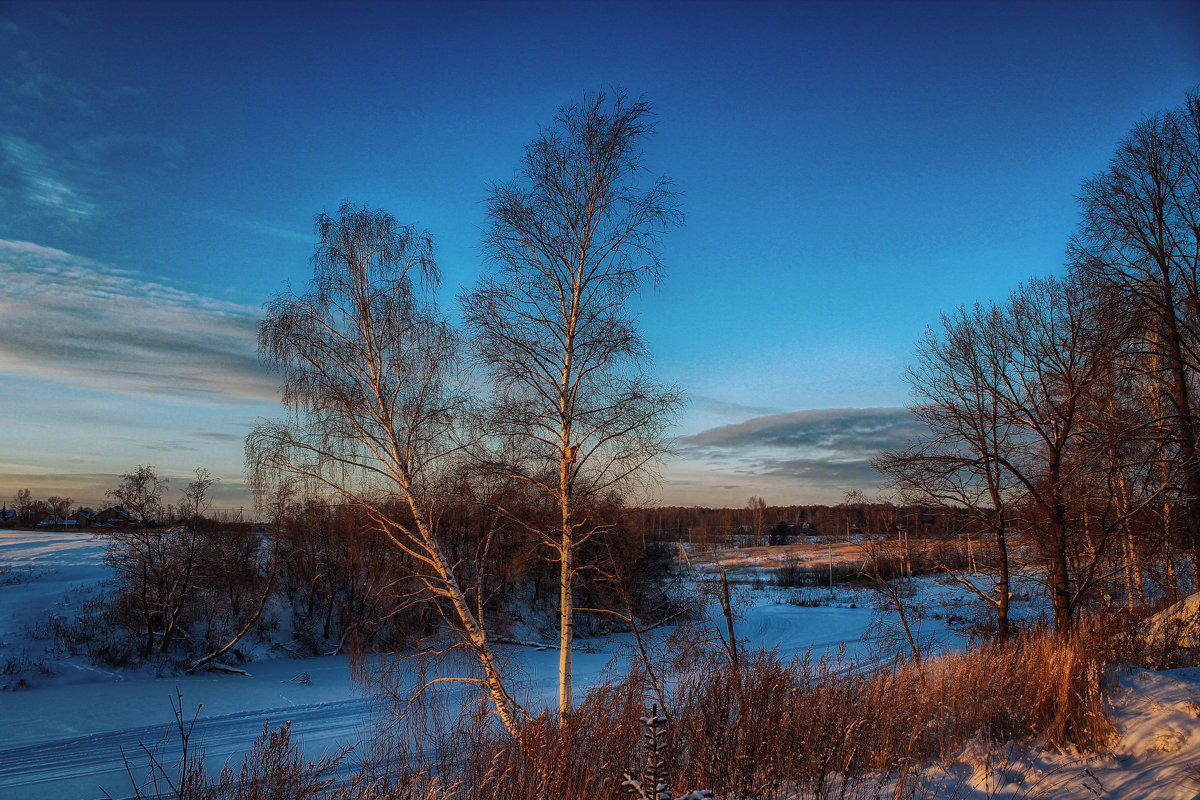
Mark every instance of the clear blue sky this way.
pixel 849 170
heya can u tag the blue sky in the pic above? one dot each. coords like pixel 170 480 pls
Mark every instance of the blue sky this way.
pixel 848 171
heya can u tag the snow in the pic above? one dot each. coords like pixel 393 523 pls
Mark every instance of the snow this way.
pixel 1153 756
pixel 62 734
pixel 1157 715
pixel 37 570
pixel 1177 626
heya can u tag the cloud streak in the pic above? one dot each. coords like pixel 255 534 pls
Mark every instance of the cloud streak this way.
pixel 41 183
pixel 76 321
pixel 820 452
pixel 62 161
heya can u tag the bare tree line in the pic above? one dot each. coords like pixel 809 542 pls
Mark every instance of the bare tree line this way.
pixel 1068 409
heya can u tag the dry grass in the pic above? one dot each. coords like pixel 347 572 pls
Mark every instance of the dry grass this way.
pixel 806 728
pixel 810 726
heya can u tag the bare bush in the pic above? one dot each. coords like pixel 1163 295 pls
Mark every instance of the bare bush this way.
pixel 274 769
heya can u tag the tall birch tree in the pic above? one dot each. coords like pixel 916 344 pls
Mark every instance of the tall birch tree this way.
pixel 572 238
pixel 368 364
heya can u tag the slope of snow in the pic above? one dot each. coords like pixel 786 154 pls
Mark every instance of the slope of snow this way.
pixel 1175 631
pixel 1154 755
pixel 1157 754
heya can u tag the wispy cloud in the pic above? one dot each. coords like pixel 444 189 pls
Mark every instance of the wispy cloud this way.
pixel 215 436
pixel 31 80
pixel 74 320
pixel 713 405
pixel 230 217
pixel 63 158
pixel 41 174
pixel 41 183
pixel 823 451
pixel 846 432
pixel 277 232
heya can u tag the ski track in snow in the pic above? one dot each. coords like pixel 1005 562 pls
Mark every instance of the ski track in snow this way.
pixel 90 765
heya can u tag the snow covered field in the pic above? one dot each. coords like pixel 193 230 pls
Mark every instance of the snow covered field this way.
pixel 63 733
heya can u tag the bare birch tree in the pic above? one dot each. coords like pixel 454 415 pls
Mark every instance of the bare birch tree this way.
pixel 368 364
pixel 573 237
pixel 196 499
